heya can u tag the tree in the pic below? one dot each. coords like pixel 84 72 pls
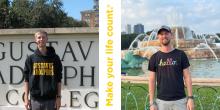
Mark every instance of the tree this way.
pixel 35 14
pixel 4 13
pixel 126 40
pixel 20 14
pixel 69 22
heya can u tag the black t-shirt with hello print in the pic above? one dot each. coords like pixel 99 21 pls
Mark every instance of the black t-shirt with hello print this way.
pixel 169 73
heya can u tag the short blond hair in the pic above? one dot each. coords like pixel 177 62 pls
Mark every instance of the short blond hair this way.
pixel 40 32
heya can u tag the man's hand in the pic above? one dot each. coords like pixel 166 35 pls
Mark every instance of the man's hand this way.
pixel 58 103
pixel 26 92
pixel 27 104
pixel 190 104
pixel 153 107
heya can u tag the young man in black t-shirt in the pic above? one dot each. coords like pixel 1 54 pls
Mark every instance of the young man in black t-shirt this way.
pixel 169 67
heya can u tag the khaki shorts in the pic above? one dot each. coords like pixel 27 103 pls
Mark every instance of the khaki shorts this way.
pixel 171 105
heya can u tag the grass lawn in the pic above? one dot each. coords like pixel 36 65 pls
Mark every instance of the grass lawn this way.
pixel 135 97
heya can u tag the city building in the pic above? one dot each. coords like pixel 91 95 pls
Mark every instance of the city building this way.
pixel 138 28
pixel 91 17
pixel 128 29
pixel 96 4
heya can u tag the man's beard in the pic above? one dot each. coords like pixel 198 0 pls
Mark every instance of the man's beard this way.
pixel 165 42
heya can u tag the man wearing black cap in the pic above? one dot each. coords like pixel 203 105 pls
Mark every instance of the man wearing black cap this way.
pixel 169 67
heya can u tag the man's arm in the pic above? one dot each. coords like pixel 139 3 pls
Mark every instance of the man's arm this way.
pixel 188 82
pixel 27 69
pixel 26 94
pixel 59 89
pixel 151 86
pixel 59 77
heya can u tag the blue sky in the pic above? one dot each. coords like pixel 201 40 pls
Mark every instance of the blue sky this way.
pixel 201 16
pixel 73 7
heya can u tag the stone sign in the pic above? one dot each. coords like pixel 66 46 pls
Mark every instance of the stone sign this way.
pixel 78 51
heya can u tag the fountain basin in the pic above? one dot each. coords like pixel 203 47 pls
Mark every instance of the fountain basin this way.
pixel 191 53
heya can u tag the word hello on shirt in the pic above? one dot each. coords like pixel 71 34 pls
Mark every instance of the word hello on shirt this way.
pixel 43 69
pixel 168 61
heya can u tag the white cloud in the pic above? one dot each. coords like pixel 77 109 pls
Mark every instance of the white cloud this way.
pixel 200 15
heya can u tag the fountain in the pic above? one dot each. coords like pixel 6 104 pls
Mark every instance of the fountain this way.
pixel 194 45
pixel 129 94
pixel 202 50
pixel 185 39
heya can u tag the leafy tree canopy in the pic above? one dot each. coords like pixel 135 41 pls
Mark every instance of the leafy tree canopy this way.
pixel 35 14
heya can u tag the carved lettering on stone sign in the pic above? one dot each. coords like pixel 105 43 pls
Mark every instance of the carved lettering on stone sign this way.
pixel 80 71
